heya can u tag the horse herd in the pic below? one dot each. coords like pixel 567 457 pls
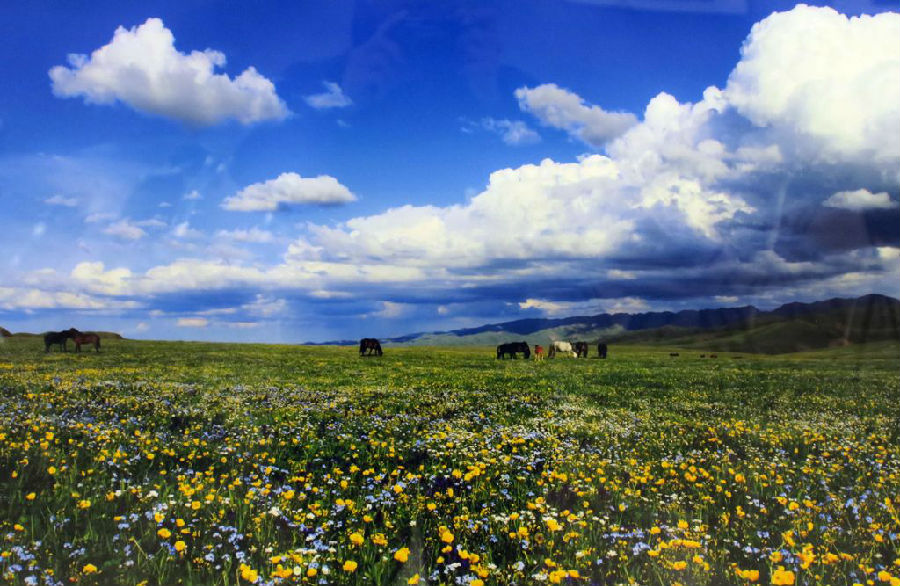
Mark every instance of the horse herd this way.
pixel 372 347
pixel 367 346
pixel 575 349
pixel 60 338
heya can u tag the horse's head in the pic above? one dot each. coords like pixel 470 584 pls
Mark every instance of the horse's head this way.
pixel 71 332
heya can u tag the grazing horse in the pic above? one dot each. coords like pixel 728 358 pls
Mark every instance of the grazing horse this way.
pixel 581 349
pixel 369 346
pixel 512 348
pixel 60 338
pixel 538 352
pixel 561 347
pixel 86 338
pixel 601 350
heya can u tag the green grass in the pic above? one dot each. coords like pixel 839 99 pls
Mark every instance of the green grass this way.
pixel 271 463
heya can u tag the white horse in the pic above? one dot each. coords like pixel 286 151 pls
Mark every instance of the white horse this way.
pixel 561 347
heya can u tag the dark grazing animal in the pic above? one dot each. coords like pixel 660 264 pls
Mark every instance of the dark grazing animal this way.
pixel 86 338
pixel 674 354
pixel 369 346
pixel 601 350
pixel 512 348
pixel 581 349
pixel 60 338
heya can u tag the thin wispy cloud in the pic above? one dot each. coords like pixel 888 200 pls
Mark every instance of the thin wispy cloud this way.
pixel 512 132
pixel 125 229
pixel 59 200
pixel 332 97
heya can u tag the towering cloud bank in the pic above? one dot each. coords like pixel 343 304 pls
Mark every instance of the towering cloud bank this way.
pixel 782 184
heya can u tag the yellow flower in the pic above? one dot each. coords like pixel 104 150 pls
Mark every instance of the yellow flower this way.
pixel 357 538
pixel 195 505
pixel 782 577
pixel 446 535
pixel 557 576
pixel 350 566
pixel 414 579
pixel 164 533
pixel 249 574
pixel 51 471
pixel 476 582
pixel 401 555
pixel 179 546
pixel 89 569
pixel 679 565
pixel 30 496
pixel 552 524
pixel 751 575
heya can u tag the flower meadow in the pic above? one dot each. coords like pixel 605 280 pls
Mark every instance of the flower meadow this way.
pixel 184 463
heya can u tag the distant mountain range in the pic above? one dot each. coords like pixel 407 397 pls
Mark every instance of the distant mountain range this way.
pixel 789 328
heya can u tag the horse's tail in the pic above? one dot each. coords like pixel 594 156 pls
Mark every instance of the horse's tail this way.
pixel 97 343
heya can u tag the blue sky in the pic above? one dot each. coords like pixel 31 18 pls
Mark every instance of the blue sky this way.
pixel 315 171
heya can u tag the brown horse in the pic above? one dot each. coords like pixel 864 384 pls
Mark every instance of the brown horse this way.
pixel 87 338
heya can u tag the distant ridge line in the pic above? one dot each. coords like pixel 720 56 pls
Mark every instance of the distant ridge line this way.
pixel 729 318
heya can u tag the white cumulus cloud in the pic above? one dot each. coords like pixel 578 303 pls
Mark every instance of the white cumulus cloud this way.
pixel 824 76
pixel 142 68
pixel 860 199
pixel 289 189
pixel 560 108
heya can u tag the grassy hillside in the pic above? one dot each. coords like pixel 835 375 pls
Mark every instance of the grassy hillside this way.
pixel 794 327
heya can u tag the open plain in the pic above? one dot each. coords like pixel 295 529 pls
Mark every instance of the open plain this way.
pixel 195 463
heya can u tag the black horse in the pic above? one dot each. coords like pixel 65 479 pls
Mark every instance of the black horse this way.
pixel 60 338
pixel 601 350
pixel 369 346
pixel 581 349
pixel 512 348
